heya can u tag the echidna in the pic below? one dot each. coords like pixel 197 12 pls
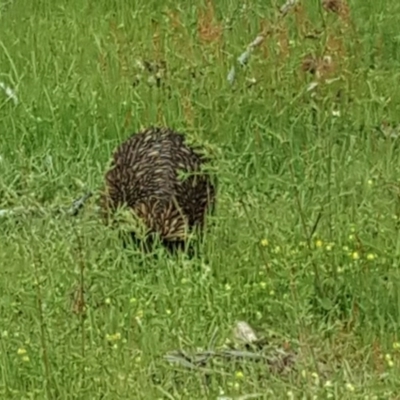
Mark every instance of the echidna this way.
pixel 145 176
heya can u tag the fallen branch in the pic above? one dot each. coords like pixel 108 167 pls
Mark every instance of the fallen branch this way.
pixel 245 56
pixel 78 204
pixel 256 350
pixel 277 359
pixel 72 210
pixel 287 7
pixel 10 93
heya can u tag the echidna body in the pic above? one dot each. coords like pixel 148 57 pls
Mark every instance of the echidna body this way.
pixel 145 176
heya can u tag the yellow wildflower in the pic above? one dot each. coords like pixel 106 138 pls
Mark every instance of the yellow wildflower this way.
pixel 113 337
pixel 239 375
pixel 350 387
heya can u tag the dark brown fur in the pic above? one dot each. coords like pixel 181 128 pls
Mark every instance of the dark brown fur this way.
pixel 144 176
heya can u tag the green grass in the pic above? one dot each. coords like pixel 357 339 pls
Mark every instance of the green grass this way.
pixel 322 190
